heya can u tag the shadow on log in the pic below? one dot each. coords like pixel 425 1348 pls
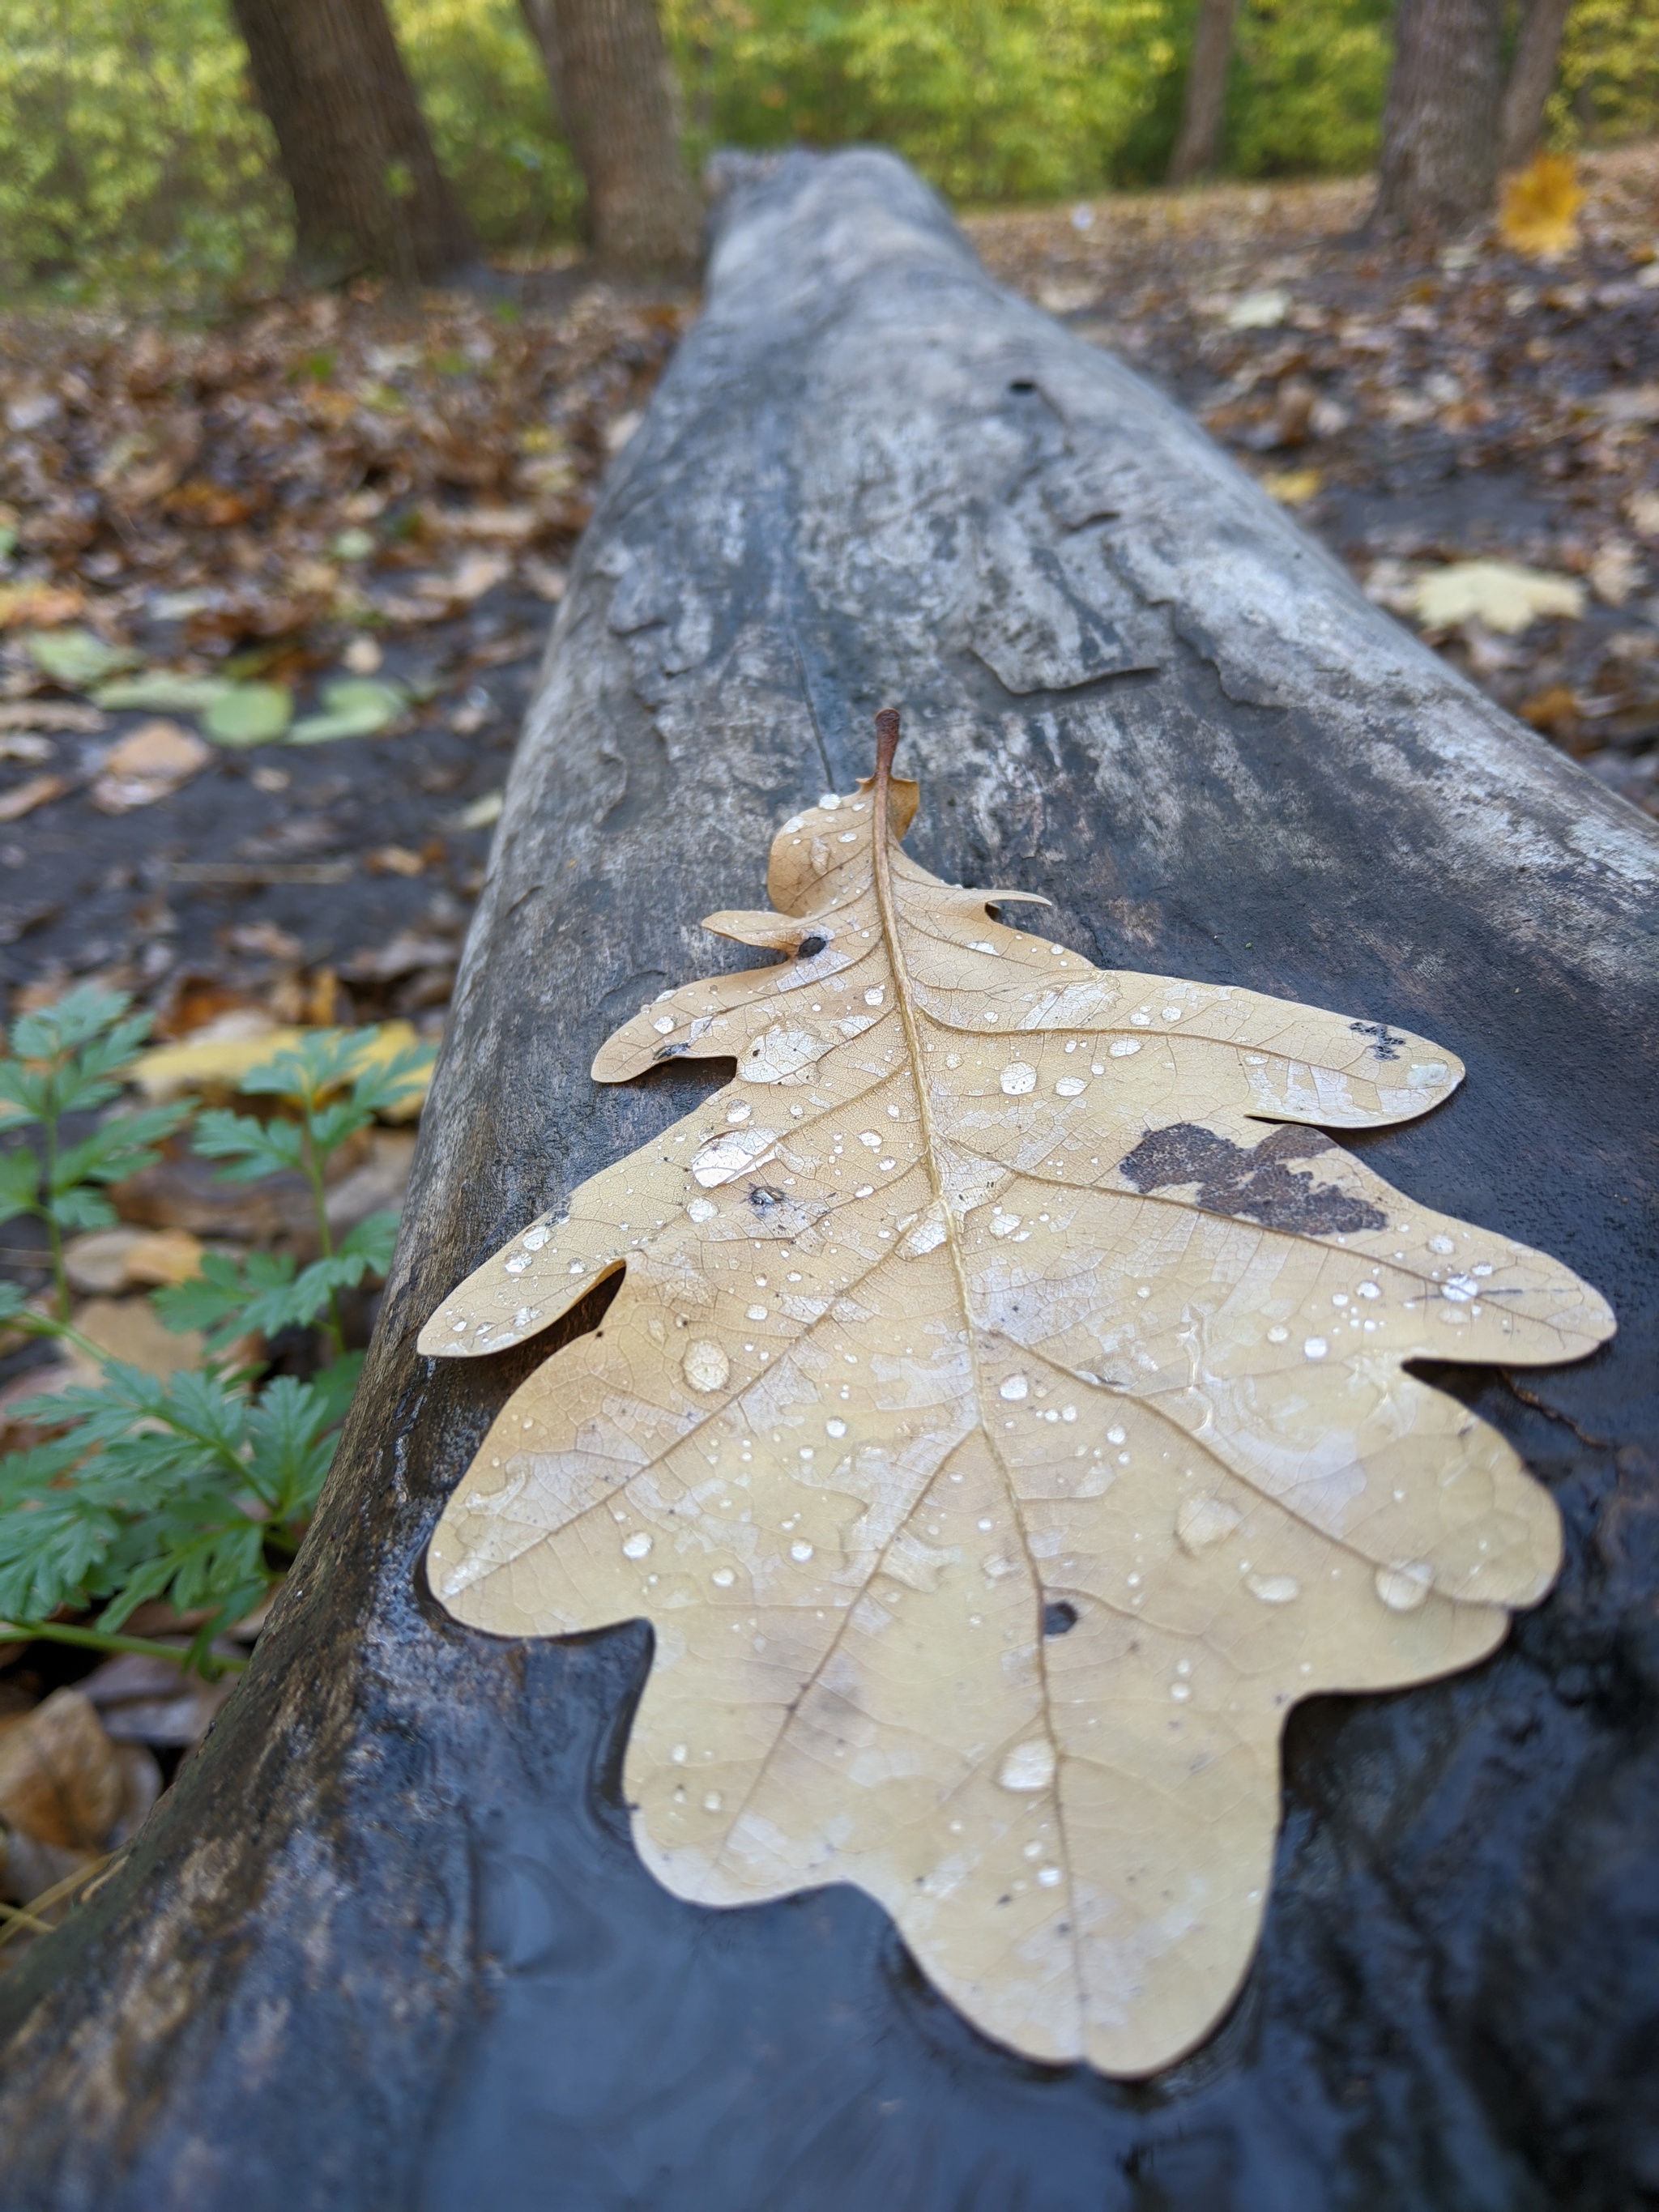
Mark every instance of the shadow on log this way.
pixel 388 1944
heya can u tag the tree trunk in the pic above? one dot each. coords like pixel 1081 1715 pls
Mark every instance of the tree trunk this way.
pixel 368 190
pixel 1198 146
pixel 1439 161
pixel 1531 80
pixel 614 91
pixel 386 1946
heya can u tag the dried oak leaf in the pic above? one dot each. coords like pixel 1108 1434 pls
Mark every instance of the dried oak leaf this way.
pixel 60 1781
pixel 1001 1430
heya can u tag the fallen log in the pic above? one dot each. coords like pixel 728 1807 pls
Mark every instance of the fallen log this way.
pixel 388 1943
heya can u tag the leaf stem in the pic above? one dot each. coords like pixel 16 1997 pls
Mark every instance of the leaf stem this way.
pixel 334 1325
pixel 102 1639
pixel 54 1228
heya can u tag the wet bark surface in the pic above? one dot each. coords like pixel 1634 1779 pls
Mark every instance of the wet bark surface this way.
pixel 388 1943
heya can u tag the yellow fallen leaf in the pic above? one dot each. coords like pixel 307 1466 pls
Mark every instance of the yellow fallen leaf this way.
pixel 1002 1427
pixel 1538 212
pixel 1495 593
pixel 221 1063
pixel 1292 487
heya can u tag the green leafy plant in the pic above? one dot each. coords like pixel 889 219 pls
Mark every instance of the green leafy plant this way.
pixel 66 1060
pixel 195 1486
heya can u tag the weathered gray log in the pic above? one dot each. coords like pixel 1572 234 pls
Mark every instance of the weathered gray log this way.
pixel 388 1943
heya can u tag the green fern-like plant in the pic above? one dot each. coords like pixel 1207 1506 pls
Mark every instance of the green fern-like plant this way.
pixel 195 1486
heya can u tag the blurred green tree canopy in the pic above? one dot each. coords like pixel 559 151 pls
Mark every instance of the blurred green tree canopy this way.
pixel 131 153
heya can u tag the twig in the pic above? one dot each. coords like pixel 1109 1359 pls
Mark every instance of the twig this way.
pixel 27 1915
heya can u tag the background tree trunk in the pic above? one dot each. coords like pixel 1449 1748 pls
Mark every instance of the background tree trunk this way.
pixel 1439 161
pixel 1531 80
pixel 386 1946
pixel 1204 99
pixel 614 91
pixel 368 190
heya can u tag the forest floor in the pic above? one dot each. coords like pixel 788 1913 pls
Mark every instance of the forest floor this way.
pixel 329 486
pixel 388 493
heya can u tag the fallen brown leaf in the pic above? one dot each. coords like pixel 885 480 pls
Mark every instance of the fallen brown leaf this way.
pixel 148 764
pixel 128 1330
pixel 24 798
pixel 38 606
pixel 61 715
pixel 107 1261
pixel 60 1781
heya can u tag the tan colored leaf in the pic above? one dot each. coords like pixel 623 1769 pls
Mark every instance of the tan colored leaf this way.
pixel 113 1260
pixel 149 764
pixel 24 798
pixel 1002 1423
pixel 60 1780
pixel 1504 595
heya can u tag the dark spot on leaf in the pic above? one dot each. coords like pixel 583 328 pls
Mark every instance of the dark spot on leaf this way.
pixel 1252 1182
pixel 1385 1045
pixel 1059 1617
pixel 810 947
pixel 762 1197
pixel 670 1051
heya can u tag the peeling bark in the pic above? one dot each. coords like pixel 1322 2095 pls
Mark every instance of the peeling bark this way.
pixel 388 1943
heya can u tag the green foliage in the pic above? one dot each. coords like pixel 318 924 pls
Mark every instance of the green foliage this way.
pixel 178 1486
pixel 990 99
pixel 131 151
pixel 1308 80
pixel 191 1486
pixel 133 155
pixel 483 90
pixel 1609 87
pixel 67 1059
